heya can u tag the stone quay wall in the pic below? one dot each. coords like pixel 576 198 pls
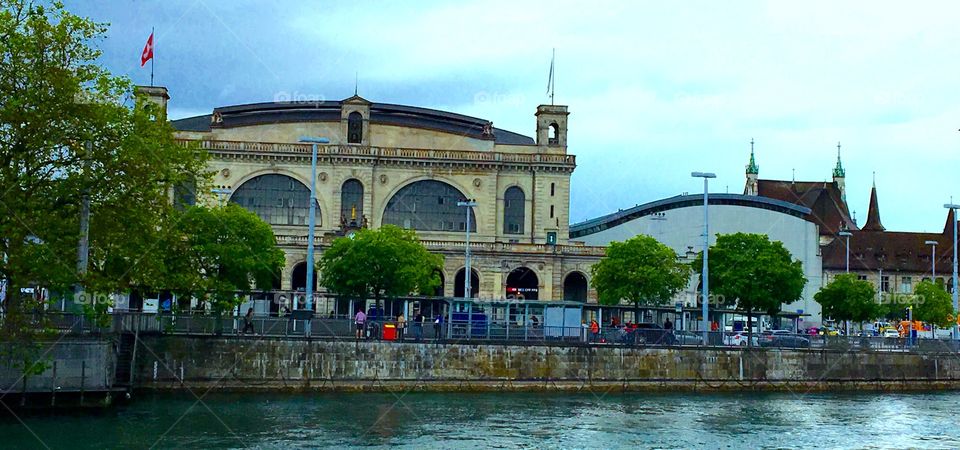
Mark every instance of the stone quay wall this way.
pixel 179 362
pixel 72 365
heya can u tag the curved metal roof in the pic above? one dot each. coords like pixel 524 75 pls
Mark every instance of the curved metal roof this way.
pixel 601 223
pixel 382 113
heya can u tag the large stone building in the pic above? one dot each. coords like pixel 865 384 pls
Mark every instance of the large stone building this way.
pixel 406 166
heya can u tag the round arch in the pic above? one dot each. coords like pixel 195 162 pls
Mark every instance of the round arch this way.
pixel 351 195
pixel 427 204
pixel 575 286
pixel 377 220
pixel 514 210
pixel 298 277
pixel 523 281
pixel 238 191
pixel 459 283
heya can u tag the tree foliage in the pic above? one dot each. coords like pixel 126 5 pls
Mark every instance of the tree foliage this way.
pixel 847 298
pixel 379 263
pixel 221 253
pixel 933 305
pixel 752 272
pixel 640 270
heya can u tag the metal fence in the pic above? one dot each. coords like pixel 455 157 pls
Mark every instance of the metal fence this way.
pixel 481 331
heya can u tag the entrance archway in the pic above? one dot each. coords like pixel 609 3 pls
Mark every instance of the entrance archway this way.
pixel 298 279
pixel 523 283
pixel 458 284
pixel 575 287
pixel 438 292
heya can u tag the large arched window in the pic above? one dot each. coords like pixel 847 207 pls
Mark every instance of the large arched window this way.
pixel 277 199
pixel 428 205
pixel 351 202
pixel 354 128
pixel 513 210
pixel 575 287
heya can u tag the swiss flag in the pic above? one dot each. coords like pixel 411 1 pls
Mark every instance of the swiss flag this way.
pixel 147 54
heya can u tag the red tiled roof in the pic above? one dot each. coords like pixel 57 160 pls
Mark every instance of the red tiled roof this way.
pixel 890 250
pixel 827 208
pixel 873 214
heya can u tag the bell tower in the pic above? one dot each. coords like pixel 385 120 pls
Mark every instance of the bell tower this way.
pixel 552 126
pixel 839 176
pixel 753 172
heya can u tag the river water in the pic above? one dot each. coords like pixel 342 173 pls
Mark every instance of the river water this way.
pixel 494 420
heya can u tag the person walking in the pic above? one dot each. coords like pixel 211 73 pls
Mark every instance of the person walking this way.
pixel 360 320
pixel 248 322
pixel 401 326
pixel 418 326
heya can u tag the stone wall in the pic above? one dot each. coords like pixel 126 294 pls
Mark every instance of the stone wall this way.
pixel 72 366
pixel 276 363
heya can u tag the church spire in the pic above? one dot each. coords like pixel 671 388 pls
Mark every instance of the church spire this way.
pixel 838 171
pixel 873 214
pixel 752 167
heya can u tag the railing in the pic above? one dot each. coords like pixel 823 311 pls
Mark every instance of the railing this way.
pixel 381 152
pixel 579 250
pixel 485 331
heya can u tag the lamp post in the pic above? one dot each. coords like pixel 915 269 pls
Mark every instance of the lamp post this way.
pixel 313 216
pixel 933 260
pixel 222 194
pixel 706 247
pixel 953 208
pixel 468 274
pixel 847 235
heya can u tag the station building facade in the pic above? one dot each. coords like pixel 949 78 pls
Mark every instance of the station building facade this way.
pixel 405 166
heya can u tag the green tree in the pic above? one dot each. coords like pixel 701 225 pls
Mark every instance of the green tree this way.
pixel 933 305
pixel 847 298
pixel 753 273
pixel 381 263
pixel 640 270
pixel 221 254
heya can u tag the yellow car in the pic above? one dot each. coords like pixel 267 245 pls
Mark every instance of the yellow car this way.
pixel 829 331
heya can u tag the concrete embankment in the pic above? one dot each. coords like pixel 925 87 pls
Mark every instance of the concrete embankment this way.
pixel 179 362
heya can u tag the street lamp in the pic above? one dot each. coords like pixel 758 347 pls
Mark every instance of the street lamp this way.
pixel 847 235
pixel 313 215
pixel 953 209
pixel 222 194
pixel 468 274
pixel 933 260
pixel 706 246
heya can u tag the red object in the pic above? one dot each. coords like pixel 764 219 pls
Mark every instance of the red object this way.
pixel 147 54
pixel 389 332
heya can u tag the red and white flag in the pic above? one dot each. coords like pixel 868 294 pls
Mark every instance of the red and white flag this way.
pixel 147 54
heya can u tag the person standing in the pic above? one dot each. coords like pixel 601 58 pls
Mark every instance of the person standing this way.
pixel 360 320
pixel 438 327
pixel 594 331
pixel 668 325
pixel 401 326
pixel 418 326
pixel 248 322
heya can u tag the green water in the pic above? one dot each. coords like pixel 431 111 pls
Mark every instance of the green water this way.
pixel 454 420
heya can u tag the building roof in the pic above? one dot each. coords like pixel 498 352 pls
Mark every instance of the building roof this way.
pixel 824 200
pixel 889 250
pixel 873 214
pixel 329 111
pixel 601 223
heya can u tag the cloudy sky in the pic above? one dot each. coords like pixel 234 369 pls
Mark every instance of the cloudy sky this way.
pixel 655 89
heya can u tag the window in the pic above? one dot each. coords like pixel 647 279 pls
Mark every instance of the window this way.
pixel 906 285
pixel 553 134
pixel 551 211
pixel 428 205
pixel 351 202
pixel 885 283
pixel 859 277
pixel 553 190
pixel 354 128
pixel 514 202
pixel 277 199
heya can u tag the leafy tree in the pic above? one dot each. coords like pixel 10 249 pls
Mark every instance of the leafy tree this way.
pixel 847 298
pixel 753 273
pixel 379 263
pixel 640 270
pixel 223 252
pixel 932 304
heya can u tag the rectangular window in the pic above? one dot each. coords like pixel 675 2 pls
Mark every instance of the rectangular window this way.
pixel 553 190
pixel 906 285
pixel 551 212
pixel 885 283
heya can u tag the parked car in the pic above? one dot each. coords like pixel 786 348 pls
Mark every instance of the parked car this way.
pixel 685 337
pixel 783 338
pixel 641 333
pixel 891 333
pixel 829 331
pixel 738 339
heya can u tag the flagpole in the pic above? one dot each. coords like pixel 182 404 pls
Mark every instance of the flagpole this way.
pixel 153 56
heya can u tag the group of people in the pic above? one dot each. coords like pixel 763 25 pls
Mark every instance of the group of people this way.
pixel 419 320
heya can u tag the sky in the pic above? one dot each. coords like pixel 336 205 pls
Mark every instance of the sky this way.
pixel 655 90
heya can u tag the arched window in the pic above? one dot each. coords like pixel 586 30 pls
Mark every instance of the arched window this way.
pixel 522 283
pixel 513 210
pixel 459 283
pixel 354 128
pixel 553 134
pixel 351 202
pixel 277 199
pixel 428 205
pixel 575 287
